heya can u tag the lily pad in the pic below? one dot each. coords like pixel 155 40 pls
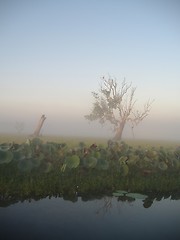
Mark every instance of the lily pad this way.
pixel 18 155
pixel 90 162
pixel 119 193
pixel 25 165
pixel 37 160
pixel 5 146
pixel 163 166
pixel 136 195
pixel 5 156
pixel 96 154
pixel 103 164
pixel 176 163
pixel 72 161
pixel 123 159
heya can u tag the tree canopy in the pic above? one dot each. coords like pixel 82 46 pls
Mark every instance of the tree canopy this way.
pixel 116 104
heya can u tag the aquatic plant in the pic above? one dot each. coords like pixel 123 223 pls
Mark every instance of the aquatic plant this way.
pixel 102 164
pixel 119 193
pixel 25 165
pixel 136 195
pixel 5 156
pixel 129 195
pixel 5 146
pixel 46 167
pixel 119 157
pixel 163 166
pixel 71 162
pixel 90 162
pixel 124 170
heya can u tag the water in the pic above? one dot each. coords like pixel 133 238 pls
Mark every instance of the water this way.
pixel 104 218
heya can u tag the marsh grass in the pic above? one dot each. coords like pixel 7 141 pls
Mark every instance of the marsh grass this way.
pixel 147 143
pixel 74 140
pixel 70 141
pixel 8 138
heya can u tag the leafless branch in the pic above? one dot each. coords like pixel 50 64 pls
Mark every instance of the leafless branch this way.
pixel 116 105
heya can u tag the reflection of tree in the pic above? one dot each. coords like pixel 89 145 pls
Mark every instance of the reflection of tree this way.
pixel 126 199
pixel 5 203
pixel 159 196
pixel 92 184
pixel 175 195
pixel 147 202
pixel 107 205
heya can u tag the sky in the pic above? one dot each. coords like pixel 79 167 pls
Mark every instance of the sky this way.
pixel 54 53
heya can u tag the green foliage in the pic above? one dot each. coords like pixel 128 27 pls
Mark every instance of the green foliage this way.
pixel 25 165
pixel 71 162
pixel 116 105
pixel 103 164
pixel 41 169
pixel 119 193
pixel 136 195
pixel 5 146
pixel 90 162
pixel 46 167
pixel 163 166
pixel 34 155
pixel 124 170
pixel 122 193
pixel 5 156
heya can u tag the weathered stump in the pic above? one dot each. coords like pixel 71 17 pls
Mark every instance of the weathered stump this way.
pixel 39 126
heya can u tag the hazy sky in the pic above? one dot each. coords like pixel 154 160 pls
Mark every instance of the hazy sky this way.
pixel 53 53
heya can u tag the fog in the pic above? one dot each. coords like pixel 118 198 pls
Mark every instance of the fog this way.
pixel 157 129
pixel 53 54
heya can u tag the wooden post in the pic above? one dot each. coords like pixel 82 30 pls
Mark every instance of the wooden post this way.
pixel 39 126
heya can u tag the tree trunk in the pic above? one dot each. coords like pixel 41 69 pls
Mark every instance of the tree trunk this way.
pixel 119 132
pixel 39 126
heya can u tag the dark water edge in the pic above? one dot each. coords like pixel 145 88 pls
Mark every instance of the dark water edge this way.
pixel 104 218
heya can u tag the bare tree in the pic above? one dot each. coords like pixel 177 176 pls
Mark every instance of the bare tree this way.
pixel 39 126
pixel 117 105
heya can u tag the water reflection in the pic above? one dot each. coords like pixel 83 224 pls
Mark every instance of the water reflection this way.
pixel 147 202
pixel 103 218
pixel 89 205
pixel 57 202
pixel 93 185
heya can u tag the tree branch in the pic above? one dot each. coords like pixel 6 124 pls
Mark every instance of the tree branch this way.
pixel 117 105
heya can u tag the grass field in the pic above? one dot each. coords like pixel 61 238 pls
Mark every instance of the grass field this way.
pixel 74 141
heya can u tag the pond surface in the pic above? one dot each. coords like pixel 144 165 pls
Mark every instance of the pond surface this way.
pixel 104 218
pixel 51 191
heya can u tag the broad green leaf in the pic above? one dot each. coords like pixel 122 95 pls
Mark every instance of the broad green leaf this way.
pixel 72 161
pixel 103 164
pixel 119 193
pixel 5 146
pixel 25 165
pixel 163 166
pixel 90 162
pixel 123 159
pixel 5 156
pixel 136 195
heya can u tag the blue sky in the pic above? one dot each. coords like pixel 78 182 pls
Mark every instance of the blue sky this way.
pixel 53 53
